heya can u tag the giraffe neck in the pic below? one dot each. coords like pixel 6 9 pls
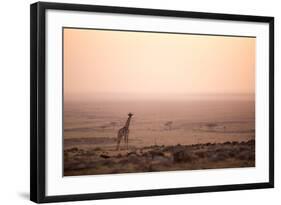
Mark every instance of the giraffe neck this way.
pixel 128 122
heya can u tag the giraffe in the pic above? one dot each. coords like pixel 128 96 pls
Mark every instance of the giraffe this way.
pixel 124 132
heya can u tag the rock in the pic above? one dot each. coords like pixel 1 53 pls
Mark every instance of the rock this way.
pixel 133 159
pixel 201 154
pixel 182 156
pixel 131 154
pixel 104 156
pixel 155 153
pixel 234 143
pixel 74 149
pixel 90 153
pixel 218 157
pixel 178 148
pixel 66 154
pixel 160 159
pixel 97 149
pixel 251 142
pixel 119 155
pixel 231 154
pixel 147 155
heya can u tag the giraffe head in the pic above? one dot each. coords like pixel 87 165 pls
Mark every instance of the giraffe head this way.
pixel 130 115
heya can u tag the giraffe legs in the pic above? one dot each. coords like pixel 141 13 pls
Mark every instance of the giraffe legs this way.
pixel 127 139
pixel 118 144
pixel 123 133
pixel 119 137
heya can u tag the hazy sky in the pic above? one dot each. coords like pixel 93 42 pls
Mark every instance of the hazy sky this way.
pixel 98 61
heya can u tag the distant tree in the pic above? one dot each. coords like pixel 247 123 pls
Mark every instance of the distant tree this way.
pixel 211 125
pixel 113 124
pixel 169 125
pixel 103 127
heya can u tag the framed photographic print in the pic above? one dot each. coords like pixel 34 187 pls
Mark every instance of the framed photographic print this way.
pixel 129 102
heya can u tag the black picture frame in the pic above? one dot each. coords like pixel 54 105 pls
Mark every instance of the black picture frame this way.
pixel 38 103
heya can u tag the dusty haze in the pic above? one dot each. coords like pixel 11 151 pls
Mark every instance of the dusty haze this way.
pixel 151 64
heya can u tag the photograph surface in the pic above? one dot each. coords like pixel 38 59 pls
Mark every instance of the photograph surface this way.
pixel 137 101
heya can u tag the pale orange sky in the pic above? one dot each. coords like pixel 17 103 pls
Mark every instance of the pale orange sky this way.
pixel 97 61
